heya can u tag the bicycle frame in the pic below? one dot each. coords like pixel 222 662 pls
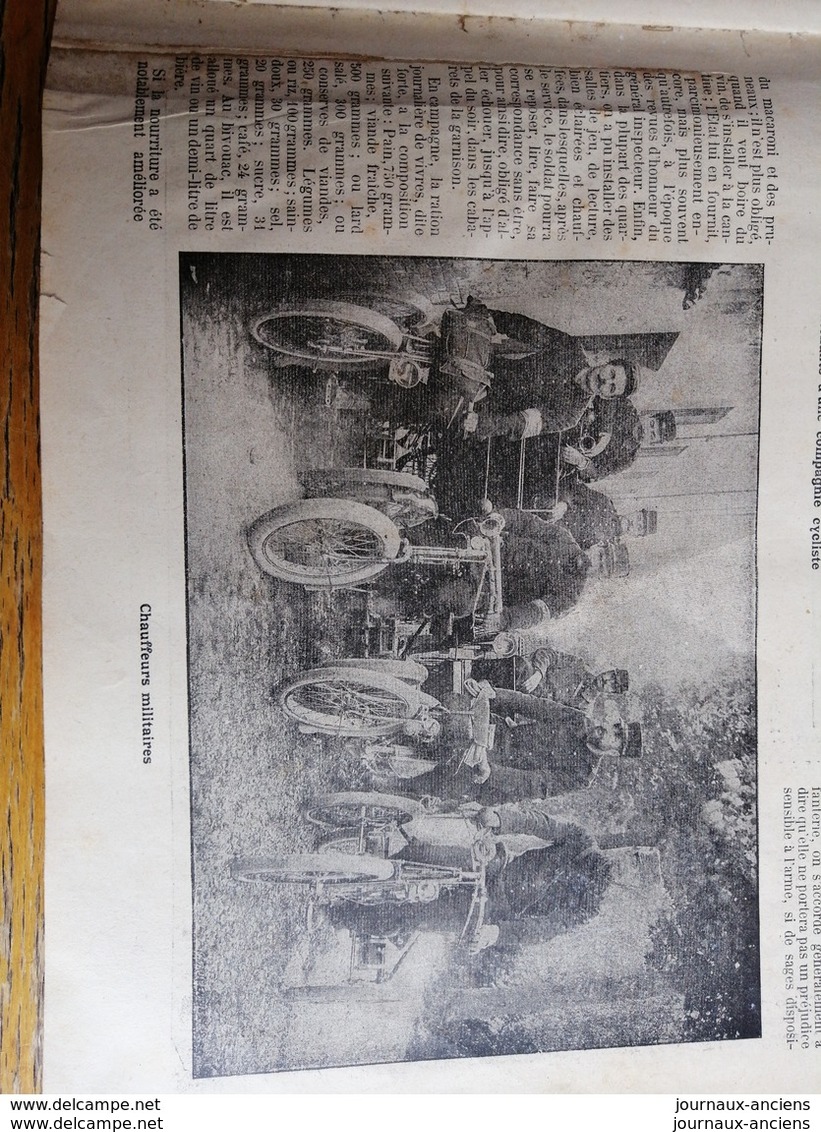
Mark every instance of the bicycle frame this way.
pixel 483 550
pixel 378 956
pixel 413 349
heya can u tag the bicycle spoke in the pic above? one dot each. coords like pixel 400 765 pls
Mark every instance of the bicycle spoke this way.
pixel 320 544
pixel 348 703
pixel 321 337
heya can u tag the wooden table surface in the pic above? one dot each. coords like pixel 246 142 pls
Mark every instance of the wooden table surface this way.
pixel 25 28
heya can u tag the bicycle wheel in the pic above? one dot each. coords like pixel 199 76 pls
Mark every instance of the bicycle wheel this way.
pixel 403 497
pixel 322 479
pixel 329 335
pixel 350 702
pixel 305 868
pixel 347 808
pixel 407 670
pixel 324 542
pixel 409 311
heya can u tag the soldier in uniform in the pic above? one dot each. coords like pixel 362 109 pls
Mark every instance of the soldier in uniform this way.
pixel 615 433
pixel 541 748
pixel 565 678
pixel 548 889
pixel 547 877
pixel 589 515
pixel 544 571
pixel 546 383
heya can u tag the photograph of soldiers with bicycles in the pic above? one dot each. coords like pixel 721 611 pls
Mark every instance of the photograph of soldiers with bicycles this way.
pixel 471 589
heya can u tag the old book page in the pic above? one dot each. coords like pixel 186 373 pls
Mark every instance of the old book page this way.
pixel 432 510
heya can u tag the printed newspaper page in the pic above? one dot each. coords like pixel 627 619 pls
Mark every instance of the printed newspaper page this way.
pixel 432 462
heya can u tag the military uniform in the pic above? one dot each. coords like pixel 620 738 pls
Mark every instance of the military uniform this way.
pixel 548 890
pixel 543 379
pixel 565 678
pixel 541 749
pixel 591 516
pixel 544 571
pixel 618 417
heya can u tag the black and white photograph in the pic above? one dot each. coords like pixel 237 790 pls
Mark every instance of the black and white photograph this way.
pixel 471 614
